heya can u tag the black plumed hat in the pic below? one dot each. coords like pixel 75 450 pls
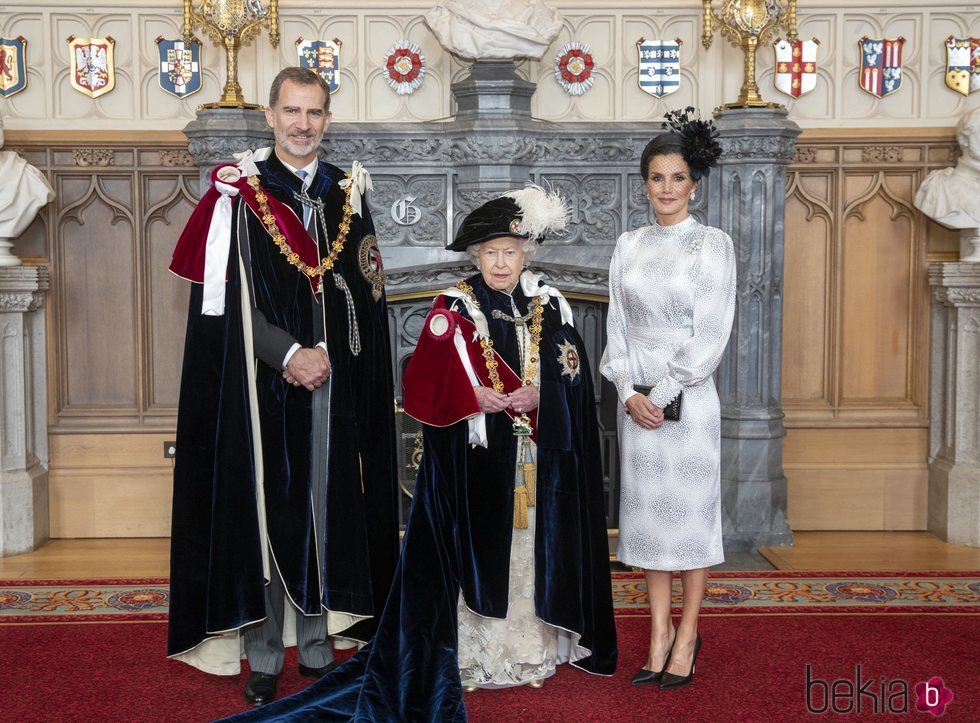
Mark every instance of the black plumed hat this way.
pixel 696 139
pixel 530 212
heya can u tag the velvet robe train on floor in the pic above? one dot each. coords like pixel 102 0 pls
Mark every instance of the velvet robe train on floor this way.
pixel 458 538
pixel 217 579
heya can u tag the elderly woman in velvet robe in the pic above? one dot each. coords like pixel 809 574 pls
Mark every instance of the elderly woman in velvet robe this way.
pixel 504 573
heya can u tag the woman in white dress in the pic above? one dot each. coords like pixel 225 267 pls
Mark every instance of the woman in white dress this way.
pixel 671 307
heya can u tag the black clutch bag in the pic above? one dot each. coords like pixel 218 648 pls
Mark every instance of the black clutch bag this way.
pixel 672 411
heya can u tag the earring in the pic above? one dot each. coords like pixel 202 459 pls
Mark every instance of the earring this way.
pixel 693 195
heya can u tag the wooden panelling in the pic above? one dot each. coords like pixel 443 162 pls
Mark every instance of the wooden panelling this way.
pixel 871 496
pixel 855 328
pixel 165 310
pixel 93 265
pixel 880 253
pixel 116 321
pixel 110 485
pixel 810 257
pixel 856 478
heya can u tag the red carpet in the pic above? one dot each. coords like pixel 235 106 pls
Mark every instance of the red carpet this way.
pixel 752 668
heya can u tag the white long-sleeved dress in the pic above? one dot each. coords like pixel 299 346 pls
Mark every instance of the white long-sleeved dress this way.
pixel 671 307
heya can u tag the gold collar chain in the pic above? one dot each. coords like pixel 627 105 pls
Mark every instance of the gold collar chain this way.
pixel 269 220
pixel 531 368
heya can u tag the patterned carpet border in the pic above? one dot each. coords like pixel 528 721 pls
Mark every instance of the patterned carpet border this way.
pixel 817 592
pixel 760 593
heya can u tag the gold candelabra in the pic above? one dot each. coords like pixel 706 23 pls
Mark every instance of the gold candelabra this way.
pixel 232 23
pixel 747 23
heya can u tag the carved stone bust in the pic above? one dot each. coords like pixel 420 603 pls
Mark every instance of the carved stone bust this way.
pixel 23 192
pixel 951 196
pixel 494 29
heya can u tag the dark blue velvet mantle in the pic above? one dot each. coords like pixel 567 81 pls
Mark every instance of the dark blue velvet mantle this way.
pixel 458 538
pixel 216 570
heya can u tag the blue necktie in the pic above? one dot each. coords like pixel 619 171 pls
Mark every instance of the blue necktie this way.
pixel 307 211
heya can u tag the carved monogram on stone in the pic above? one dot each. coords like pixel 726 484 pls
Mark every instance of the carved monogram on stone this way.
pixel 595 201
pixel 420 204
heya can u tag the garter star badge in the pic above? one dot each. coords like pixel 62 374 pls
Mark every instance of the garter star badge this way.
pixel 322 56
pixel 372 267
pixel 574 67
pixel 180 66
pixel 569 359
pixel 659 71
pixel 963 64
pixel 93 68
pixel 404 67
pixel 13 66
pixel 796 66
pixel 881 65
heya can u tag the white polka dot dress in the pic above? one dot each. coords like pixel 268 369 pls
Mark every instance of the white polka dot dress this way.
pixel 671 307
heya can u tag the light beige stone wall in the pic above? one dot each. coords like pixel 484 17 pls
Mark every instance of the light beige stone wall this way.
pixel 367 29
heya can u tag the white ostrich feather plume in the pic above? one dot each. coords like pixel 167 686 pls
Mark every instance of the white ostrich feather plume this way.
pixel 542 212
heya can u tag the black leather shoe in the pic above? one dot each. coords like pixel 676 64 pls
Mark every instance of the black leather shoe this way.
pixel 670 680
pixel 260 689
pixel 646 677
pixel 308 672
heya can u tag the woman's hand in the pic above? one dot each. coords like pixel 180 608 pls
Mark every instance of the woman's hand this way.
pixel 490 400
pixel 644 412
pixel 524 399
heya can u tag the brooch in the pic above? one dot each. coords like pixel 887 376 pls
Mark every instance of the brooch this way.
pixel 569 359
pixel 372 267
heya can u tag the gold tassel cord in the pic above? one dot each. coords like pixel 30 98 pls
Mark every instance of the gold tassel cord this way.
pixel 520 507
pixel 530 474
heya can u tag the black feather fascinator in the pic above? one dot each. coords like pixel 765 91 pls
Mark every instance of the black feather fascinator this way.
pixel 698 139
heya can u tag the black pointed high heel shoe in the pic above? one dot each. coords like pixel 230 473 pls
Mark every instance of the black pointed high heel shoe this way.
pixel 646 677
pixel 670 680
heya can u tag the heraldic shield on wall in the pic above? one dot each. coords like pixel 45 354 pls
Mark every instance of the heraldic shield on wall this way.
pixel 881 65
pixel 796 66
pixel 93 71
pixel 659 69
pixel 13 66
pixel 180 66
pixel 323 56
pixel 963 64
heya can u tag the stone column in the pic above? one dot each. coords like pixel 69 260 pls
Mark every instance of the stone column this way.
pixel 491 145
pixel 24 522
pixel 219 133
pixel 747 200
pixel 954 404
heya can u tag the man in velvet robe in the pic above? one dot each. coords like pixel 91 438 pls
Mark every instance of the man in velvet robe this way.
pixel 458 536
pixel 285 482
